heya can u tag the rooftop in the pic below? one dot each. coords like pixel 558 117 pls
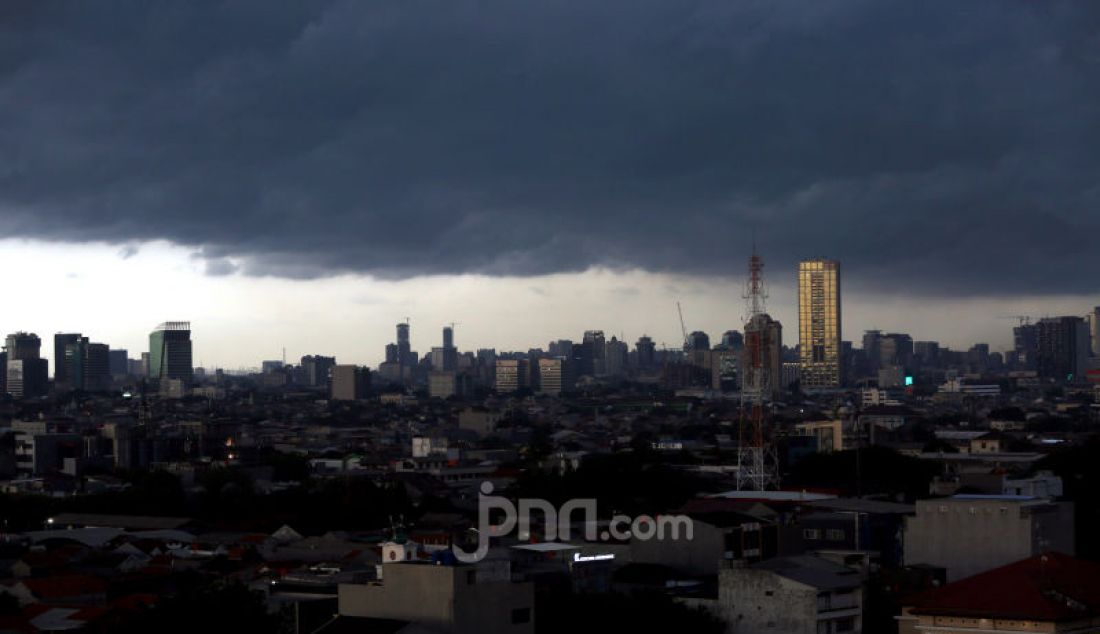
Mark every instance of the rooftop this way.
pixel 1047 587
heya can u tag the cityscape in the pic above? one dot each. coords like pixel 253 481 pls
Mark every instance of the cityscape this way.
pixel 536 317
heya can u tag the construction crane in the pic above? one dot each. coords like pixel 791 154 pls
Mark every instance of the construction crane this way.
pixel 683 329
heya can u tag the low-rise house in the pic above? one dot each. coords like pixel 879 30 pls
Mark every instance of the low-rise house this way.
pixel 1050 592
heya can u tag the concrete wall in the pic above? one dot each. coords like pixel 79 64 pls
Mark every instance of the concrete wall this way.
pixel 448 598
pixel 753 601
pixel 967 537
pixel 702 555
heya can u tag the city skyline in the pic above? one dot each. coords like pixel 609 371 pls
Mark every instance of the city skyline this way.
pixel 240 322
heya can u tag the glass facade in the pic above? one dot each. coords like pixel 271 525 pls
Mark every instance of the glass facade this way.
pixel 819 323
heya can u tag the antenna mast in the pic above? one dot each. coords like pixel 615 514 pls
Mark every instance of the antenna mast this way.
pixel 757 463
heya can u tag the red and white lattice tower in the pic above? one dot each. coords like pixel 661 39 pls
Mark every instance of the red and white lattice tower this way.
pixel 757 464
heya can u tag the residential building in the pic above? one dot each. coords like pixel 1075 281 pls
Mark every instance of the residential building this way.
pixel 970 534
pixel 1048 592
pixel 819 324
pixel 802 594
pixel 445 597
pixel 1063 348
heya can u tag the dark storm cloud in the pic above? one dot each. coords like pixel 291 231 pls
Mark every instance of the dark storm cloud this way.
pixel 936 148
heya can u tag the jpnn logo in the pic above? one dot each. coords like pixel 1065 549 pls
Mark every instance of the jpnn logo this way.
pixel 558 523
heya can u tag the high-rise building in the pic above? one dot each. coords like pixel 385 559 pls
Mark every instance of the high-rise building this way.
pixel 350 382
pixel 819 323
pixel 1094 331
pixel 554 376
pixel 697 341
pixel 647 352
pixel 895 349
pixel 615 357
pixel 97 367
pixel 317 369
pixel 1063 348
pixel 511 375
pixel 27 374
pixel 732 341
pixel 449 352
pixel 763 375
pixel 927 353
pixel 23 345
pixel 170 352
pixel 60 369
pixel 120 362
pixel 1025 342
pixel 593 349
pixel 404 348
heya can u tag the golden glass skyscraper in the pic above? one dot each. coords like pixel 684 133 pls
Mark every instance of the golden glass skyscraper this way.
pixel 819 323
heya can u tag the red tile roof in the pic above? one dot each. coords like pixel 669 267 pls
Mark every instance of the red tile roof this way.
pixel 1047 587
pixel 65 586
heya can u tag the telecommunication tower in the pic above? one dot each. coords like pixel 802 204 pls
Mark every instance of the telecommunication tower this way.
pixel 757 464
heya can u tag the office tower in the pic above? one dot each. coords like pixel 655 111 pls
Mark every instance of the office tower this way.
pixel 72 364
pixel 1094 331
pixel 1062 348
pixel 404 350
pixel 1025 343
pixel 350 382
pixel 647 352
pixel 511 375
pixel 615 357
pixel 3 373
pixel 60 369
pixel 561 348
pixel 450 353
pixel 316 369
pixel 27 373
pixel 23 345
pixel 391 353
pixel 590 354
pixel 927 353
pixel 170 352
pixel 697 341
pixel 819 323
pixel 871 351
pixel 895 349
pixel 120 362
pixel 555 376
pixel 97 367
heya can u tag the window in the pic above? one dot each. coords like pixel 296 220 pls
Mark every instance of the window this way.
pixel 811 533
pixel 521 615
pixel 834 534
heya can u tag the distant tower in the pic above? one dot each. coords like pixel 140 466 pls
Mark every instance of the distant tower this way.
pixel 819 323
pixel 757 465
pixel 170 351
pixel 404 350
pixel 450 353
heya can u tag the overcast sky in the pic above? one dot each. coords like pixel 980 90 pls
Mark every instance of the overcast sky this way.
pixel 308 174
